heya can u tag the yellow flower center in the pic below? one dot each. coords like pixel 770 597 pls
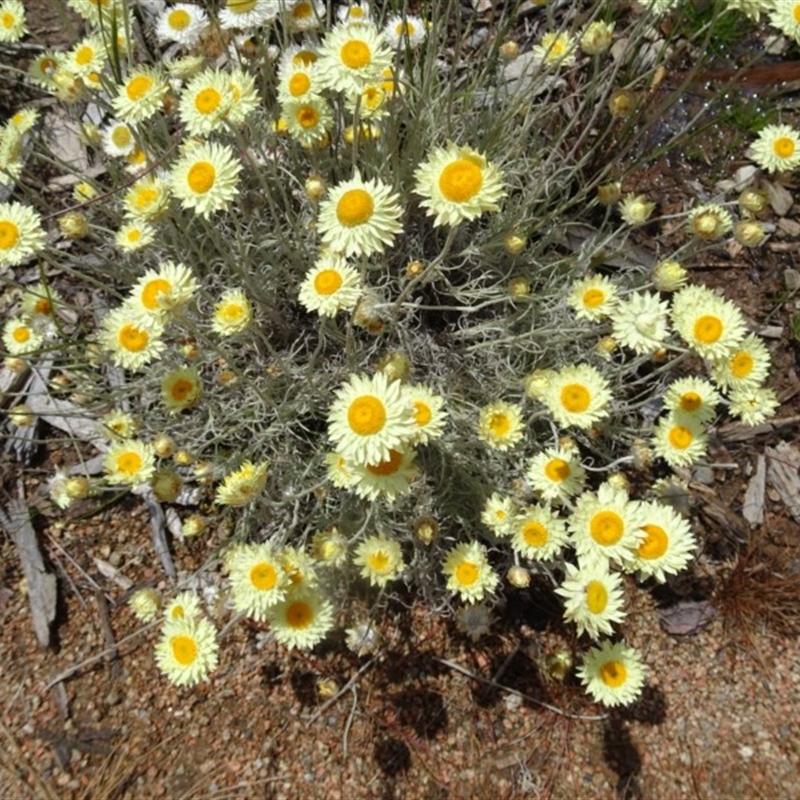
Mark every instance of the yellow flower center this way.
pixel 389 466
pixel 307 116
pixel 366 415
pixel 655 544
pixel 575 397
pixel 594 297
pixel 133 235
pixel 152 290
pixel 422 413
pixel 181 389
pixel 132 338
pixel 8 19
pixel 47 65
pixel 299 614
pixel 144 196
pixel 138 87
pixel 461 180
pixel 741 364
pixel 121 136
pixel 379 561
pixel 299 84
pixel 177 613
pixel 708 329
pixel 557 470
pixel 9 234
pixel 499 424
pixel 84 55
pixel 304 57
pixel 355 13
pixel 43 306
pixel 178 19
pixel 184 649
pixel 596 597
pixel 231 312
pixel 784 147
pixel 403 28
pixel 129 462
pixel 534 533
pixel 796 13
pixel 680 437
pixel 241 6
pixel 201 177
pixel 21 334
pixel 207 100
pixel 263 576
pixel 355 54
pixel 355 207
pixel 690 401
pixel 613 674
pixel 606 527
pixel 327 281
pixel 302 11
pixel 466 573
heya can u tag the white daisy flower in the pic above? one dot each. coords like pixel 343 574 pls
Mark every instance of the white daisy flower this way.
pixel 330 286
pixel 246 14
pixel 593 298
pixel 302 619
pixel 747 366
pixel 164 290
pixel 183 23
pixel 233 313
pixel 309 120
pixel 639 321
pixel 360 217
pixel 605 525
pixel 405 29
pixel 21 233
pixel 205 101
pixel 369 418
pixel 129 462
pixel 613 674
pixel 429 415
pixel 668 546
pixel 593 598
pixel 695 397
pixel 257 578
pixel 498 514
pixel 386 479
pixel 556 474
pixel 20 338
pixel 500 425
pixel 538 534
pixel 468 572
pixel 680 439
pixel 457 184
pixel 351 57
pixel 141 96
pixel 711 326
pixel 577 395
pixel 753 405
pixel 134 340
pixel 117 139
pixel 205 177
pixel 188 651
pixel 380 559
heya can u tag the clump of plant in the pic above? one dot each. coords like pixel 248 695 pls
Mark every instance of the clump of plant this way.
pixel 352 305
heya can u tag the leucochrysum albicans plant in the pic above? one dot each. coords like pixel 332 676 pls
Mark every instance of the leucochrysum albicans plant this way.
pixel 359 306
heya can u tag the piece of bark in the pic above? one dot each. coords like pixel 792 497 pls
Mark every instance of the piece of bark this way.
pixel 159 533
pixel 753 507
pixel 783 475
pixel 41 583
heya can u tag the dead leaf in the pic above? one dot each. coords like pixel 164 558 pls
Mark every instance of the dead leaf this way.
pixel 686 617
